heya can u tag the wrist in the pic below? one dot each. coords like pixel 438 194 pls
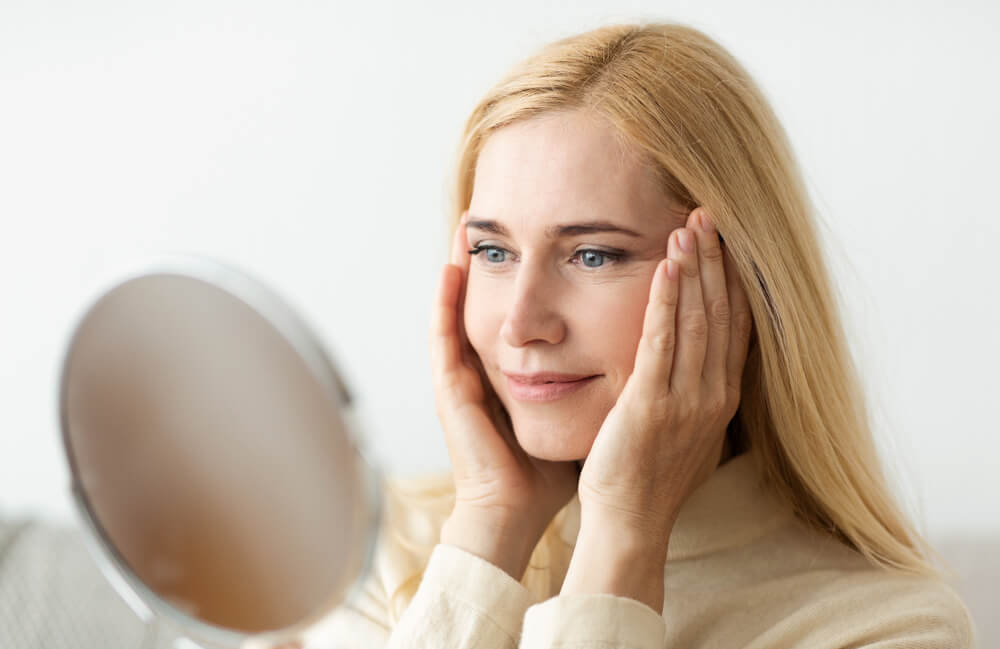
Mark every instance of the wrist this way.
pixel 490 536
pixel 620 560
pixel 646 530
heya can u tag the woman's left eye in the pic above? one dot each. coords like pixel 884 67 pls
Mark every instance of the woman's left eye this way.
pixel 591 254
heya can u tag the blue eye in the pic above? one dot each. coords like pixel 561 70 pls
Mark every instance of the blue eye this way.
pixel 590 254
pixel 597 253
pixel 489 249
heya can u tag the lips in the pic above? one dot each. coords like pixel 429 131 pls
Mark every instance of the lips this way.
pixel 543 390
pixel 537 378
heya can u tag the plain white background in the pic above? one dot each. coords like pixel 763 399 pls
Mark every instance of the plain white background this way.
pixel 309 144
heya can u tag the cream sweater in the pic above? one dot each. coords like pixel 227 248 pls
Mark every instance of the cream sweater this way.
pixel 741 572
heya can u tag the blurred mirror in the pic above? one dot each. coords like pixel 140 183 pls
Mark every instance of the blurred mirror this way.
pixel 214 455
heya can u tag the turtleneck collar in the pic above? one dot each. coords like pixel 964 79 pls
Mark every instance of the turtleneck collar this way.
pixel 731 508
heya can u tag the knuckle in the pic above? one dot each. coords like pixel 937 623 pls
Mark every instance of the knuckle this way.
pixel 670 299
pixel 695 325
pixel 712 252
pixel 663 341
pixel 718 310
pixel 685 409
pixel 690 270
pixel 716 403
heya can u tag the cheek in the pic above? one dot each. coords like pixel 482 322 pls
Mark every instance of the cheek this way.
pixel 619 331
pixel 478 318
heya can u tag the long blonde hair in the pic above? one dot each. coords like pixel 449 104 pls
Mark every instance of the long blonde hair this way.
pixel 708 133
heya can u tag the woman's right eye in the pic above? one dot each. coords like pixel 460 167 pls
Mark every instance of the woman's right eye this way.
pixel 490 258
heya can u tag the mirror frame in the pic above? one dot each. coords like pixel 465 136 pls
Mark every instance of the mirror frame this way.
pixel 147 605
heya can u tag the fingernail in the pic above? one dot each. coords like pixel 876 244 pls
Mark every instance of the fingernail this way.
pixel 684 238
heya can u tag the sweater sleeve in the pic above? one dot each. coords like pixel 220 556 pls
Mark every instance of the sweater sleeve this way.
pixel 466 601
pixel 462 601
pixel 592 621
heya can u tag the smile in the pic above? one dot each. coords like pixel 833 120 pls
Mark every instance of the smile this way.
pixel 546 391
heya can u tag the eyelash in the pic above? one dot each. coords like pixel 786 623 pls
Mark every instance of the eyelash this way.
pixel 616 258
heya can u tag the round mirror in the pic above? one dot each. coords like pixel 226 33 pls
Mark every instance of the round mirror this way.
pixel 214 455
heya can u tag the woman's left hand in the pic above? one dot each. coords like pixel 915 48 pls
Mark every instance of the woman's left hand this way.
pixel 664 435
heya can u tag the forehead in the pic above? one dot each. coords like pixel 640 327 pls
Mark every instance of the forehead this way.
pixel 564 167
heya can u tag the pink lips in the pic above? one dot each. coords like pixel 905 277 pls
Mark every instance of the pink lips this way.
pixel 538 390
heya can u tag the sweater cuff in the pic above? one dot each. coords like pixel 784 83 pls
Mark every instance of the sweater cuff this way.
pixel 593 620
pixel 479 584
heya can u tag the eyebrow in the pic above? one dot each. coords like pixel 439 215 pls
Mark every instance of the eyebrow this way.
pixel 555 231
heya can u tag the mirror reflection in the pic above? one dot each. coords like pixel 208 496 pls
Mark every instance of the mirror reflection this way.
pixel 212 459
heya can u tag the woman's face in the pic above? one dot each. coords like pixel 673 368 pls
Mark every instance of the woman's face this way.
pixel 541 301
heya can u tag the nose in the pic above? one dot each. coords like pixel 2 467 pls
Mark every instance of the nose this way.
pixel 533 314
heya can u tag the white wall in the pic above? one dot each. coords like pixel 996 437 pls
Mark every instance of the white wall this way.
pixel 308 144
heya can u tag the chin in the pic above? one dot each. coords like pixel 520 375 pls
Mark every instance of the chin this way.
pixel 561 445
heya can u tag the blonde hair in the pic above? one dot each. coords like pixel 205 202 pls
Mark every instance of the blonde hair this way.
pixel 706 130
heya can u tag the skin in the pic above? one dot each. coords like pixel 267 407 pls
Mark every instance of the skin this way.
pixel 668 351
pixel 529 306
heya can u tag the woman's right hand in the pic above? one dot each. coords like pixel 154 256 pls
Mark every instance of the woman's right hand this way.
pixel 504 498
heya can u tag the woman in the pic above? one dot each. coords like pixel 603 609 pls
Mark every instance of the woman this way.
pixel 657 435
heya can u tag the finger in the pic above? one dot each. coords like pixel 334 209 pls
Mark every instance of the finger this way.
pixel 500 416
pixel 454 389
pixel 459 254
pixel 715 295
pixel 448 300
pixel 448 346
pixel 655 356
pixel 741 325
pixel 460 258
pixel 445 352
pixel 692 325
pixel 451 353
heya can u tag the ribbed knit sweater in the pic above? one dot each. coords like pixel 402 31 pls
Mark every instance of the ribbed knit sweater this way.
pixel 742 572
